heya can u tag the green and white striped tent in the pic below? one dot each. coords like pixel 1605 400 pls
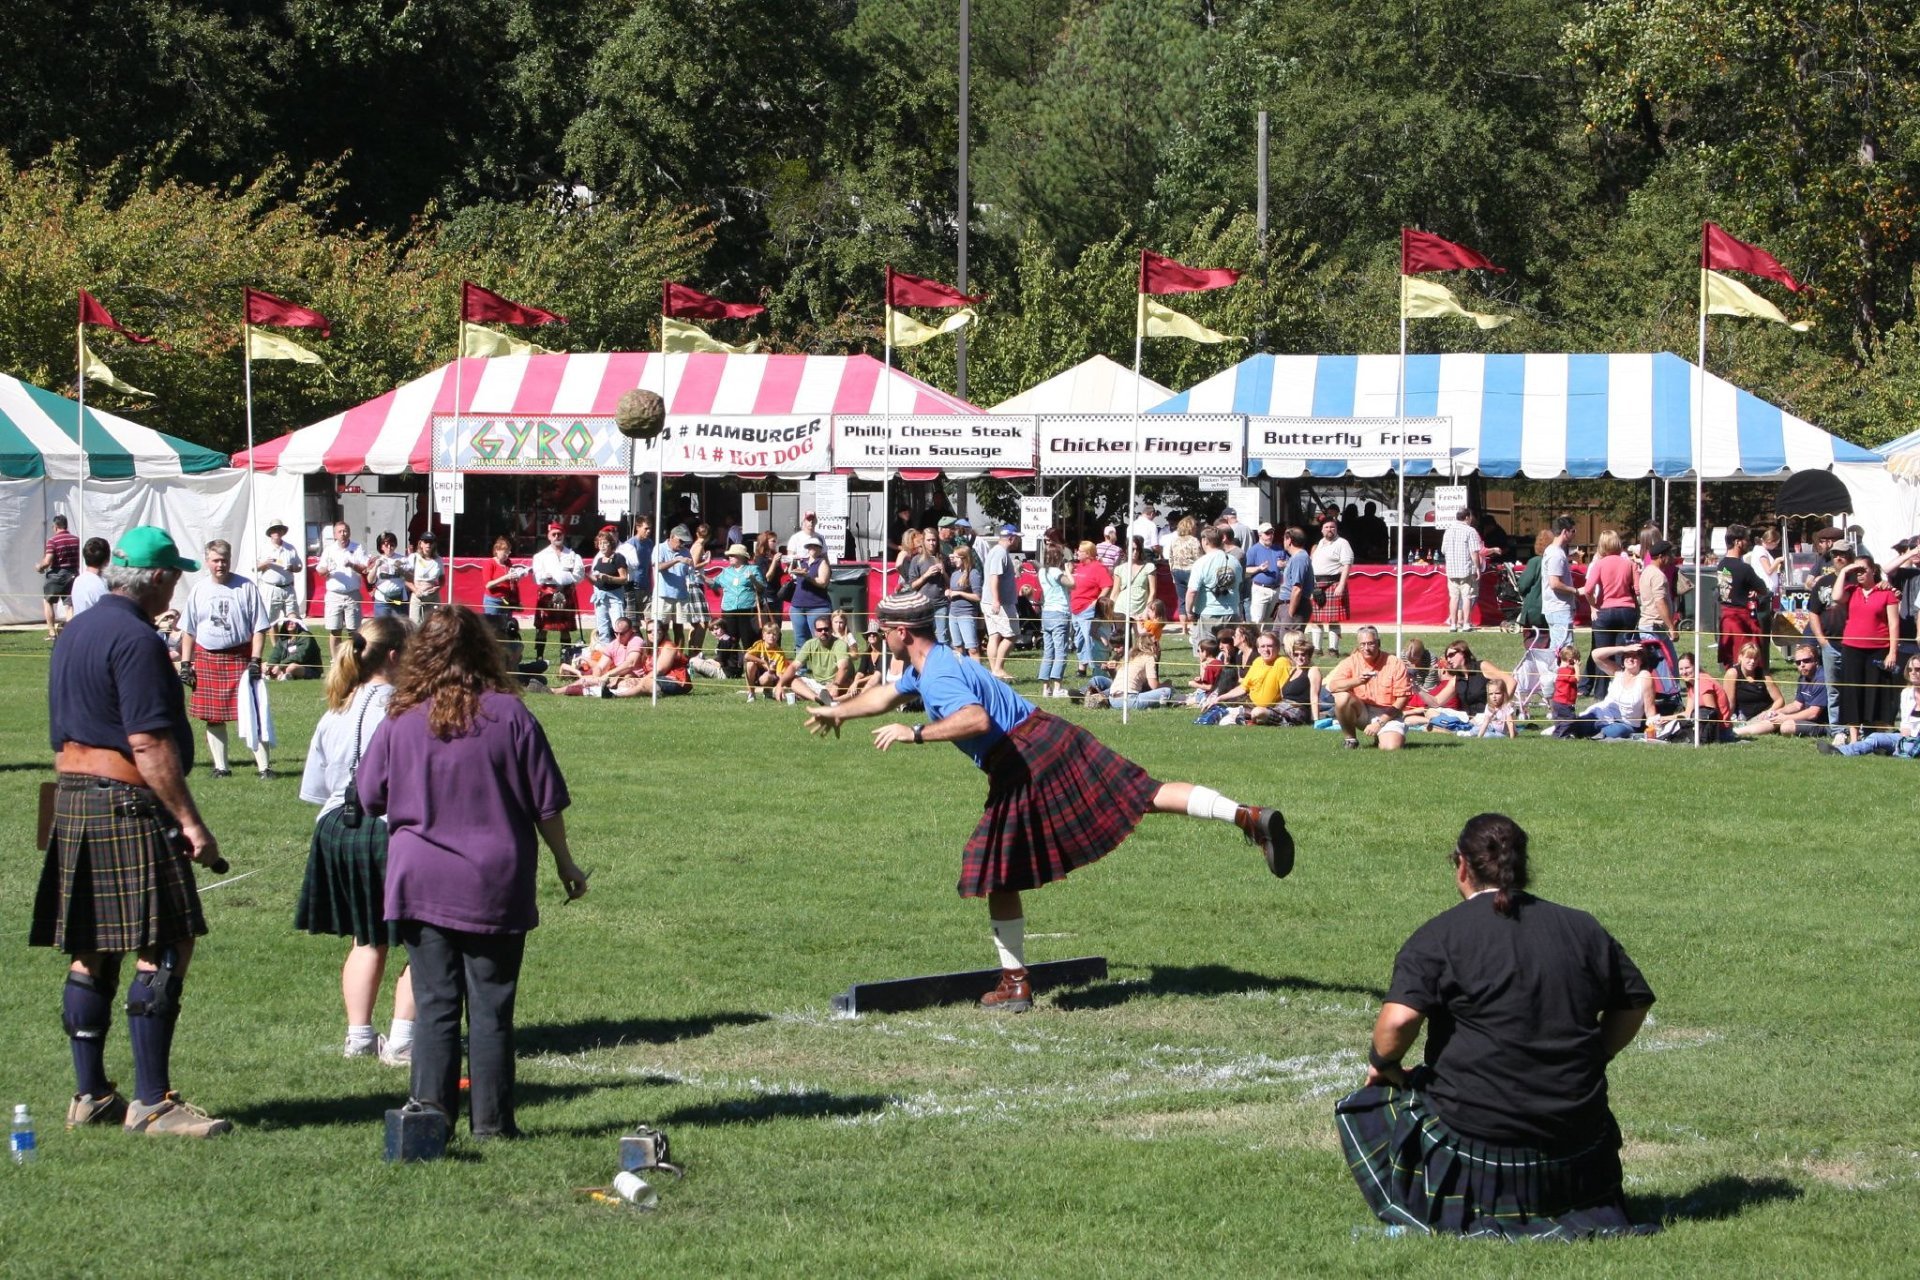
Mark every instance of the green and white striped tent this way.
pixel 40 439
pixel 134 475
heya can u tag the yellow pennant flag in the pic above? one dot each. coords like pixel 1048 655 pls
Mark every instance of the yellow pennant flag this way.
pixel 93 368
pixel 262 345
pixel 677 337
pixel 904 331
pixel 1728 297
pixel 477 340
pixel 1156 321
pixel 1425 300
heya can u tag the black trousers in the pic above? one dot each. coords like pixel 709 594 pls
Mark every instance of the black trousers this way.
pixel 480 972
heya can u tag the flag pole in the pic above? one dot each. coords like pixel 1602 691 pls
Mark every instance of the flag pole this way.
pixel 1133 473
pixel 246 362
pixel 886 418
pixel 453 450
pixel 80 388
pixel 656 625
pixel 1400 525
pixel 1699 484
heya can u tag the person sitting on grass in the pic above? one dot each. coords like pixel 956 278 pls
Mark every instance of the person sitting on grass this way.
pixel 1883 743
pixel 292 652
pixel 662 666
pixel 1261 688
pixel 820 667
pixel 764 663
pixel 1460 692
pixel 1627 705
pixel 1496 719
pixel 1370 693
pixel 1806 713
pixel 1137 685
pixel 1703 700
pixel 605 665
pixel 868 661
pixel 1210 665
pixel 1750 688
pixel 1504 1130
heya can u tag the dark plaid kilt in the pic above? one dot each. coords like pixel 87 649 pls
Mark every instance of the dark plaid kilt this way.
pixel 1737 628
pixel 556 609
pixel 216 688
pixel 1056 799
pixel 110 882
pixel 345 891
pixel 1328 607
pixel 1417 1173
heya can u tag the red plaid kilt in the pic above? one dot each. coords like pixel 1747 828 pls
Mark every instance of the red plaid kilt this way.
pixel 1335 608
pixel 1056 799
pixel 556 610
pixel 1737 628
pixel 216 690
pixel 109 882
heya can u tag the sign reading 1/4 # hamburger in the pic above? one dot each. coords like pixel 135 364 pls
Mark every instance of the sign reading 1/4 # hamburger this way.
pixel 745 445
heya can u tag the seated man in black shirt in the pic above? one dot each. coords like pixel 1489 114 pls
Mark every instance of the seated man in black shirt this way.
pixel 1505 1129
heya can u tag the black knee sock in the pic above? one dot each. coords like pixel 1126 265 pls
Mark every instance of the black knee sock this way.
pixel 152 1037
pixel 88 1010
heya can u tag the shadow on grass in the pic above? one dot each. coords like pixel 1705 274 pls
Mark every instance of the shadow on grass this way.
pixel 371 1108
pixel 811 1104
pixel 1198 980
pixel 1712 1201
pixel 605 1033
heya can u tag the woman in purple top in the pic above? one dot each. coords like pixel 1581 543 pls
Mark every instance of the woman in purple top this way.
pixel 465 777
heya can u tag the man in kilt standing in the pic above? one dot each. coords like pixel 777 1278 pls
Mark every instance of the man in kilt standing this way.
pixel 117 876
pixel 1057 798
pixel 222 631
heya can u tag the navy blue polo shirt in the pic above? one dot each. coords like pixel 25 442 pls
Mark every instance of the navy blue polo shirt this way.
pixel 111 677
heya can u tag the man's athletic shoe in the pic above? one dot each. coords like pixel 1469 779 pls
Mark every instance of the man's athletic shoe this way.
pixel 401 1057
pixel 1267 830
pixel 173 1115
pixel 1013 995
pixel 108 1108
pixel 370 1049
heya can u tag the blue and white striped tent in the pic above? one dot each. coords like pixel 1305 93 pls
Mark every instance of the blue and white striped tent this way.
pixel 1542 416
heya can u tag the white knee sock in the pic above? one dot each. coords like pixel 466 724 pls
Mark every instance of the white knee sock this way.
pixel 217 745
pixel 1205 802
pixel 1010 939
pixel 260 757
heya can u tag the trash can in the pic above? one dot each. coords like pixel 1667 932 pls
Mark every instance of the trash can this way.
pixel 1705 598
pixel 847 589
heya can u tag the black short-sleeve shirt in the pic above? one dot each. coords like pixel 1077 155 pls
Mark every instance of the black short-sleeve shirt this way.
pixel 1513 1007
pixel 1740 583
pixel 111 677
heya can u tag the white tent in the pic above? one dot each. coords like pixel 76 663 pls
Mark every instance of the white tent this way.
pixel 1095 385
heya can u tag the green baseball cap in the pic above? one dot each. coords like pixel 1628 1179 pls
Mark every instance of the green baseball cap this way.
pixel 146 546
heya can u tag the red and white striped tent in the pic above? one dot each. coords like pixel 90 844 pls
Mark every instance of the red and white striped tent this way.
pixel 391 434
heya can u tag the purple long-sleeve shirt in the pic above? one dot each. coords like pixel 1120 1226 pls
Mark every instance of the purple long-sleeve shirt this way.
pixel 463 849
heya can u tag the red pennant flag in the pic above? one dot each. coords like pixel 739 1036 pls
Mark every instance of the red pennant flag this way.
pixel 1164 275
pixel 91 312
pixel 1422 252
pixel 484 306
pixel 264 308
pixel 904 290
pixel 1721 252
pixel 681 303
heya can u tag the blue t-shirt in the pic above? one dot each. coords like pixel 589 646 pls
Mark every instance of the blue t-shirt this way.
pixel 946 683
pixel 1264 564
pixel 111 677
pixel 1299 574
pixel 673 576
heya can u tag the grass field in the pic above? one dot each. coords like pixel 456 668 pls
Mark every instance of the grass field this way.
pixel 1174 1119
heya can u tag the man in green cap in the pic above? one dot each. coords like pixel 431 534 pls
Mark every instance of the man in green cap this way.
pixel 118 875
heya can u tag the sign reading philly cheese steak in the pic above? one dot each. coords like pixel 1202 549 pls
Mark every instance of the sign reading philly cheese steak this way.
pixel 933 442
pixel 1102 444
pixel 739 444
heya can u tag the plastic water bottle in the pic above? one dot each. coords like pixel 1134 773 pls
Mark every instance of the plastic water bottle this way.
pixel 22 1144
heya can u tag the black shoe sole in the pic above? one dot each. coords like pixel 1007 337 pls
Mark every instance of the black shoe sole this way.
pixel 1279 845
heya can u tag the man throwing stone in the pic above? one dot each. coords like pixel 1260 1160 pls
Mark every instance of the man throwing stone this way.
pixel 117 876
pixel 1057 798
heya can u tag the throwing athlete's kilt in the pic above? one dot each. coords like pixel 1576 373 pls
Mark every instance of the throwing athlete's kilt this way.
pixel 344 893
pixel 556 610
pixel 1418 1173
pixel 1328 606
pixel 216 688
pixel 110 881
pixel 1737 629
pixel 1056 799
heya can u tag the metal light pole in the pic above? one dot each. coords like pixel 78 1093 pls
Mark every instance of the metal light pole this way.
pixel 960 344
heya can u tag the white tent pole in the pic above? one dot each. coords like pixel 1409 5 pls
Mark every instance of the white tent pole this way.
pixel 654 629
pixel 246 349
pixel 1133 473
pixel 1400 526
pixel 886 419
pixel 1699 484
pixel 453 456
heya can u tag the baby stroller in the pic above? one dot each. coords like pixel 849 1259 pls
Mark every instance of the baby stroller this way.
pixel 1506 593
